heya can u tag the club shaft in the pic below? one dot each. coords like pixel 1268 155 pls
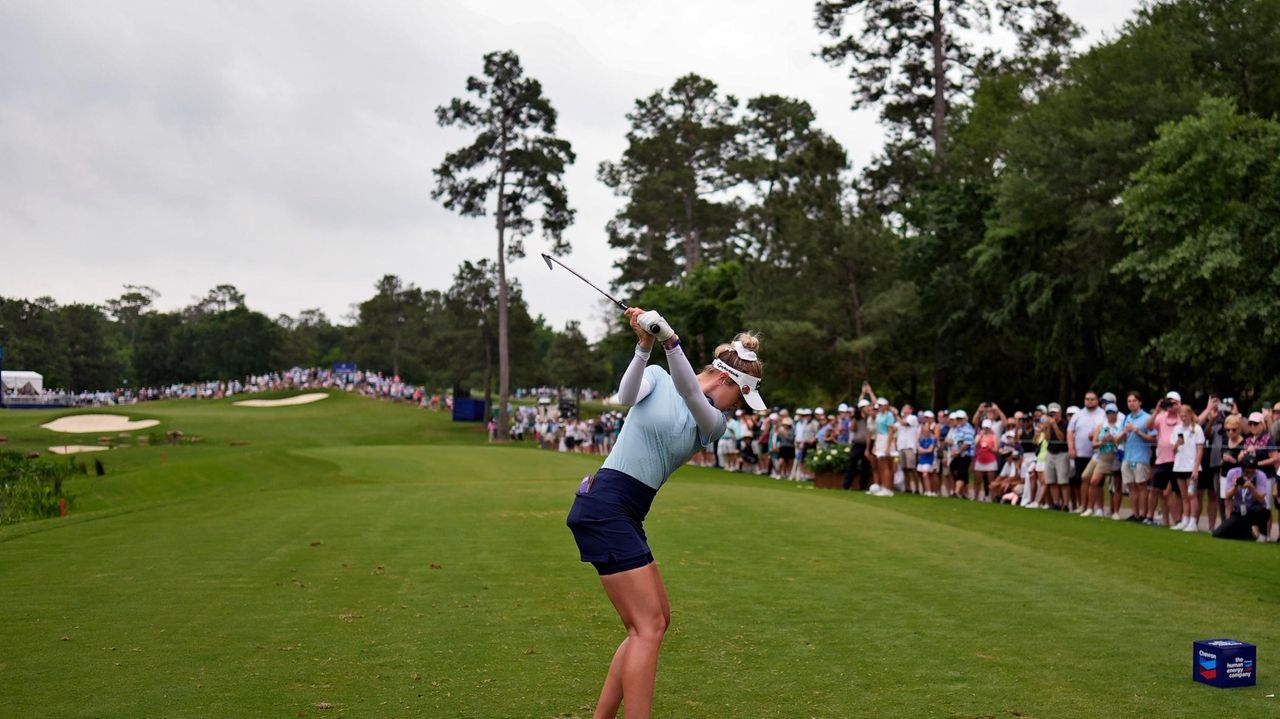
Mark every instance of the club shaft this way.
pixel 613 299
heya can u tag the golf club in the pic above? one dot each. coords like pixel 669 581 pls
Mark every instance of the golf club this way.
pixel 549 259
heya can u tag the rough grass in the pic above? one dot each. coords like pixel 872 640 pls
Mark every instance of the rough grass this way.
pixel 358 558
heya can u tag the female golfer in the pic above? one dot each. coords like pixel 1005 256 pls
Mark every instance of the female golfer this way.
pixel 671 417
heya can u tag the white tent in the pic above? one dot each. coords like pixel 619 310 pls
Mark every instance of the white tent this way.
pixel 22 381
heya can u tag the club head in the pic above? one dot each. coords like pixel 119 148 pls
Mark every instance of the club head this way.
pixel 547 259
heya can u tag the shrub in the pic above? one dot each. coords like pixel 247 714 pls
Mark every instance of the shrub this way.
pixel 30 489
pixel 832 458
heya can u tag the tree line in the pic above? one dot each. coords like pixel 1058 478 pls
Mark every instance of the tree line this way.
pixel 439 339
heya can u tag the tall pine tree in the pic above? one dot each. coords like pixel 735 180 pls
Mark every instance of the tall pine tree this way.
pixel 517 160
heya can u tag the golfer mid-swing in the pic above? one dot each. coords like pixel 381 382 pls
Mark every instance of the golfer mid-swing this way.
pixel 671 417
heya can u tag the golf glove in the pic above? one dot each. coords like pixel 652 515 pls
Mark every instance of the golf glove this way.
pixel 653 323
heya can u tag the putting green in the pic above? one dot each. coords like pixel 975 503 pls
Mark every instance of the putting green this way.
pixel 359 558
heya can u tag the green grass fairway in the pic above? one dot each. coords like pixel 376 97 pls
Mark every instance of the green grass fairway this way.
pixel 362 559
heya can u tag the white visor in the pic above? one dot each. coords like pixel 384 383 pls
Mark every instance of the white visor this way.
pixel 748 385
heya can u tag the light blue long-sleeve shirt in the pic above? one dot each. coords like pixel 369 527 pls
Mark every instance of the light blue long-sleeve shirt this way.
pixel 659 434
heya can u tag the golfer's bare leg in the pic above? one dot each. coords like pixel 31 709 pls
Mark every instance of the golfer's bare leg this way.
pixel 611 693
pixel 641 601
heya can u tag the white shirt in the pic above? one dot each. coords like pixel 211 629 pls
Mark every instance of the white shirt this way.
pixel 908 434
pixel 1080 430
pixel 1184 459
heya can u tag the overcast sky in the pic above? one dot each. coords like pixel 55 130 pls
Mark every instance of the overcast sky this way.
pixel 287 147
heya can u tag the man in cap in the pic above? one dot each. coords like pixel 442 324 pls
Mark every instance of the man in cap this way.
pixel 906 435
pixel 1163 489
pixel 859 449
pixel 1057 465
pixel 960 450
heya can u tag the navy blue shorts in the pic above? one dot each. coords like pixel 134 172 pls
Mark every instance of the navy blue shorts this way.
pixel 607 521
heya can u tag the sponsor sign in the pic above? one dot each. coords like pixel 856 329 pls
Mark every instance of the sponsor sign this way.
pixel 1224 663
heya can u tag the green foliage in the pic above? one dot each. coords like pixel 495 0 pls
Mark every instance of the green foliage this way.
pixel 673 174
pixel 833 458
pixel 31 489
pixel 1203 219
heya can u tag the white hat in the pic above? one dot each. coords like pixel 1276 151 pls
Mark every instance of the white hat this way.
pixel 927 413
pixel 959 414
pixel 748 385
pixel 1111 407
pixel 1054 407
pixel 864 403
pixel 1256 417
pixel 1173 396
pixel 882 402
pixel 819 411
pixel 804 411
pixel 1073 409
pixel 987 424
pixel 843 407
pixel 1108 397
pixel 773 415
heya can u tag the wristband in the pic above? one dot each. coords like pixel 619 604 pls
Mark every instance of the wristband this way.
pixel 672 345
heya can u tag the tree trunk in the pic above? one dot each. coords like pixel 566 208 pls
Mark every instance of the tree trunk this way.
pixel 856 307
pixel 488 377
pixel 939 84
pixel 692 247
pixel 504 363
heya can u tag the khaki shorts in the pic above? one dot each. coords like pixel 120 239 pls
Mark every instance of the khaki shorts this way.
pixel 1057 469
pixel 1135 473
pixel 1107 463
pixel 907 457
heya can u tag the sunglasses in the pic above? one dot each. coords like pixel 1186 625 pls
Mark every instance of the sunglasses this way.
pixel 1254 424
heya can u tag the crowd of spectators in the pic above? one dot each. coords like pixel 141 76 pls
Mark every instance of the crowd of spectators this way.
pixel 370 384
pixel 1208 470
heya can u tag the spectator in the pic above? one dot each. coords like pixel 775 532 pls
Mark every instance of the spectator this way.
pixel 960 451
pixel 927 451
pixel 1213 423
pixel 1232 454
pixel 785 440
pixel 1052 437
pixel 1135 464
pixel 1104 469
pixel 727 447
pixel 985 455
pixel 859 437
pixel 881 453
pixel 1247 490
pixel 1258 445
pixel 1080 431
pixel 1164 489
pixel 906 437
pixel 1188 448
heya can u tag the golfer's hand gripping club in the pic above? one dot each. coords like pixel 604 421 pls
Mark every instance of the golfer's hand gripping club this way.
pixel 655 325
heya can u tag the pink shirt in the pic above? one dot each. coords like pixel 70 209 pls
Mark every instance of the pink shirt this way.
pixel 1165 424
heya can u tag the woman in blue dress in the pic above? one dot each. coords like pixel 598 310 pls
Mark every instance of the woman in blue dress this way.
pixel 671 417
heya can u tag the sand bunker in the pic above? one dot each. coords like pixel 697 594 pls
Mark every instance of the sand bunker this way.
pixel 98 423
pixel 286 402
pixel 77 448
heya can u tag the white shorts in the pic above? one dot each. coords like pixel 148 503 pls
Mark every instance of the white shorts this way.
pixel 924 467
pixel 990 467
pixel 881 447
